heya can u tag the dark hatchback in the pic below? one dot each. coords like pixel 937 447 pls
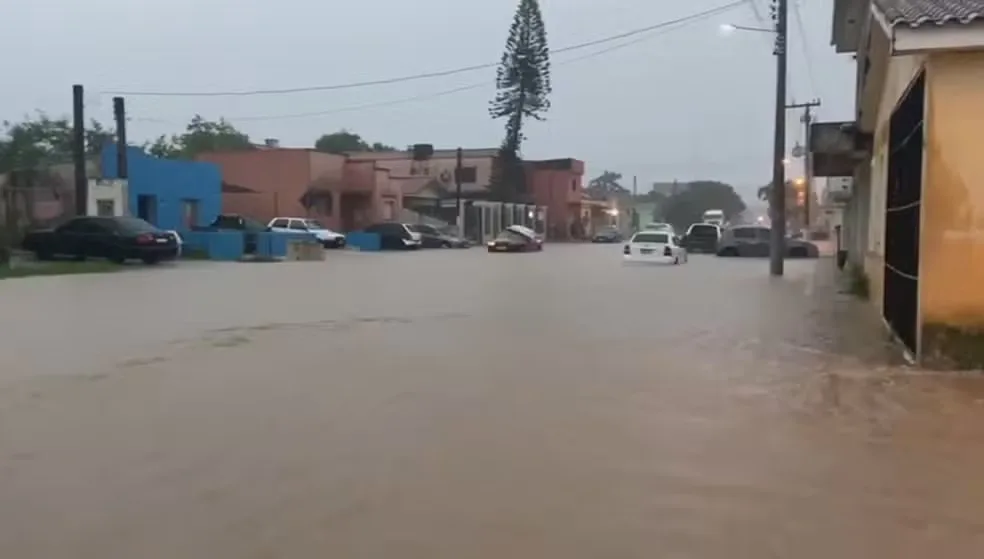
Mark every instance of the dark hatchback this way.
pixel 516 238
pixel 702 237
pixel 609 235
pixel 432 237
pixel 114 238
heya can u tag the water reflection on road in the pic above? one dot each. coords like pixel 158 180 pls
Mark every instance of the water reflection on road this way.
pixel 454 404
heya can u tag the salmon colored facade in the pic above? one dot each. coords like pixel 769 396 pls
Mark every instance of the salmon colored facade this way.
pixel 932 65
pixel 350 191
pixel 270 182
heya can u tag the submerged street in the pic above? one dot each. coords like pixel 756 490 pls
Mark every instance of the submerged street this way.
pixel 456 404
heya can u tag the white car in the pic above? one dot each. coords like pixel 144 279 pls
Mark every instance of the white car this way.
pixel 327 237
pixel 655 226
pixel 654 246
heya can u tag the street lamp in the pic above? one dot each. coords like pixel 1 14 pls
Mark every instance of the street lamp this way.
pixel 777 200
pixel 729 28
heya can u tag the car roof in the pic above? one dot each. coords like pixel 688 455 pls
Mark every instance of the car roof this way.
pixel 524 231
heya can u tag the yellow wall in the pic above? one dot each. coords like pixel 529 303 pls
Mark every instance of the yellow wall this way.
pixel 900 73
pixel 952 243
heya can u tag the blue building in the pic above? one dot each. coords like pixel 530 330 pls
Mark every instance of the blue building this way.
pixel 171 194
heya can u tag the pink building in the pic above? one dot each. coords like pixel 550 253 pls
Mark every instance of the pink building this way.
pixel 349 191
pixel 270 182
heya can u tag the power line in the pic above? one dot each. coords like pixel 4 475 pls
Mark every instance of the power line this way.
pixel 804 46
pixel 435 94
pixel 426 75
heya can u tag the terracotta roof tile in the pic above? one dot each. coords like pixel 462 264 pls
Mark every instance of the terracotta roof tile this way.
pixel 919 12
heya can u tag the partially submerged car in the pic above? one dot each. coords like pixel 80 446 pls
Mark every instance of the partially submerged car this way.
pixel 607 235
pixel 516 238
pixel 432 237
pixel 702 237
pixel 654 246
pixel 756 240
pixel 325 236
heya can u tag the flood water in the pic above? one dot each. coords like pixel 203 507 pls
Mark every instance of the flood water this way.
pixel 456 404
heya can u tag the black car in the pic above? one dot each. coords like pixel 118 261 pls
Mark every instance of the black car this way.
pixel 702 237
pixel 395 236
pixel 516 238
pixel 115 238
pixel 432 237
pixel 610 235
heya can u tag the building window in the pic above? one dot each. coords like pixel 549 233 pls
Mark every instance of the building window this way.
pixel 573 185
pixel 105 208
pixel 189 213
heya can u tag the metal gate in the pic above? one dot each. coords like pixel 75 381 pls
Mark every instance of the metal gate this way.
pixel 902 212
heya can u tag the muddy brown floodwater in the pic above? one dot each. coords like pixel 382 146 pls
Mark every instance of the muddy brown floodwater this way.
pixel 455 404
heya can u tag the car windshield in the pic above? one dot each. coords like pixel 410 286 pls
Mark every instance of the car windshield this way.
pixel 134 225
pixel 314 224
pixel 426 229
pixel 658 226
pixel 703 231
pixel 660 238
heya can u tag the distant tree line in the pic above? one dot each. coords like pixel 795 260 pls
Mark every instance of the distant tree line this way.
pixel 40 140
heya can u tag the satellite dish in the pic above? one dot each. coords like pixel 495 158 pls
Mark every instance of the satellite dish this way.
pixel 798 151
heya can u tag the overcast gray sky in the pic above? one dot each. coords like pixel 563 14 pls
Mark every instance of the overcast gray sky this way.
pixel 684 104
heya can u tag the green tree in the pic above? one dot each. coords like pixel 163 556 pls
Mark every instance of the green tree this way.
pixel 688 205
pixel 523 89
pixel 344 141
pixel 200 136
pixel 42 140
pixel 606 184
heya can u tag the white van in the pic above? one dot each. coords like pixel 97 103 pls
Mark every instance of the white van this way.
pixel 714 217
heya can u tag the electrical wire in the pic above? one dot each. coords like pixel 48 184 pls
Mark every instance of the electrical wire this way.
pixel 804 46
pixel 427 75
pixel 435 94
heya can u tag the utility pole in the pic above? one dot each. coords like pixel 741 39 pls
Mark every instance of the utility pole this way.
pixel 806 119
pixel 457 186
pixel 777 201
pixel 119 114
pixel 78 151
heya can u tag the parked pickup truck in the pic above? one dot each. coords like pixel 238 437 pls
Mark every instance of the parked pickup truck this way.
pixel 236 222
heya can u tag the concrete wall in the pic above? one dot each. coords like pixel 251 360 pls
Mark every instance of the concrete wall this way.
pixel 952 242
pixel 172 184
pixel 278 177
pixel 112 191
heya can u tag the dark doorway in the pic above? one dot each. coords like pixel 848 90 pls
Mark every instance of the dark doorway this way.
pixel 147 208
pixel 900 301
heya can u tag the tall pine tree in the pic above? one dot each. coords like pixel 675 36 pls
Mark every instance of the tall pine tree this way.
pixel 523 86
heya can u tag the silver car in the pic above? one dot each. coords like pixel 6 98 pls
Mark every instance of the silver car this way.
pixel 755 240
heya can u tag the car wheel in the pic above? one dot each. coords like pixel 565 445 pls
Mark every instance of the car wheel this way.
pixel 730 251
pixel 42 255
pixel 446 244
pixel 150 260
pixel 117 259
pixel 797 252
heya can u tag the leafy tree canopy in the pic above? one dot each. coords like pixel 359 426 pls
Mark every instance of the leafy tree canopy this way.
pixel 688 205
pixel 606 184
pixel 344 140
pixel 42 140
pixel 200 136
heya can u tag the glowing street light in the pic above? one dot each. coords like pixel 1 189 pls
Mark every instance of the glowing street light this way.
pixel 729 28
